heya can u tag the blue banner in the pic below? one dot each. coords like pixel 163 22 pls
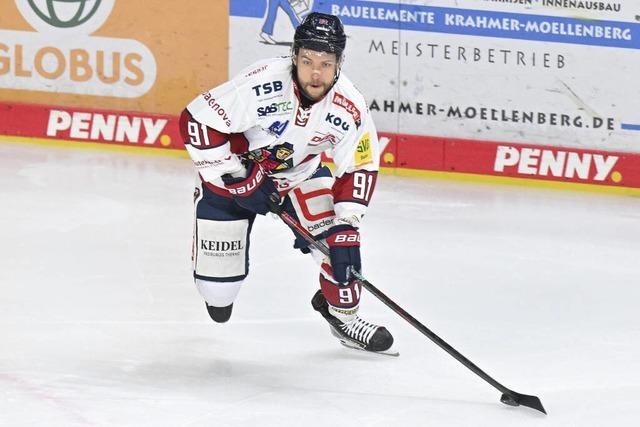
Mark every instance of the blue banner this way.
pixel 467 22
pixel 248 8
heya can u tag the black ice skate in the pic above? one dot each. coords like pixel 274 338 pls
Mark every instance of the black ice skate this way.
pixel 354 333
pixel 219 314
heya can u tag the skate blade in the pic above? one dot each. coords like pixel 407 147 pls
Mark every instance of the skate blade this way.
pixel 357 346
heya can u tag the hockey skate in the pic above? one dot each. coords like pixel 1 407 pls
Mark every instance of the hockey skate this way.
pixel 219 314
pixel 352 331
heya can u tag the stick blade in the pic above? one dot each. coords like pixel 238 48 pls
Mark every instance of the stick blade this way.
pixel 517 399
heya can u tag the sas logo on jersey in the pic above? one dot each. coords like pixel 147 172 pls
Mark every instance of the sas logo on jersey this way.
pixel 349 106
pixel 337 121
pixel 277 128
pixel 363 150
pixel 267 88
pixel 302 116
pixel 275 107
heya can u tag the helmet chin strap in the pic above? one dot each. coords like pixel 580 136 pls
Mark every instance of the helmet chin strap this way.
pixel 338 69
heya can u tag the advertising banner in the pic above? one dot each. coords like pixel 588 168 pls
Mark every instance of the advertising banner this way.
pixel 541 89
pixel 147 56
pixel 80 124
pixel 548 73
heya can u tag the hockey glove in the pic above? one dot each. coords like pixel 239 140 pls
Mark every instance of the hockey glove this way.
pixel 344 251
pixel 255 192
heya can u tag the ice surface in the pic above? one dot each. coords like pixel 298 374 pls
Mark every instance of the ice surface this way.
pixel 100 324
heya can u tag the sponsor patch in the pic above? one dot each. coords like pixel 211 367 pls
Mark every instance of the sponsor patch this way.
pixel 302 116
pixel 277 128
pixel 221 248
pixel 256 71
pixel 322 138
pixel 277 158
pixel 363 151
pixel 349 106
pixel 337 121
pixel 216 107
pixel 275 107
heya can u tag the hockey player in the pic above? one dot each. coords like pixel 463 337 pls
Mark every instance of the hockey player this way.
pixel 262 133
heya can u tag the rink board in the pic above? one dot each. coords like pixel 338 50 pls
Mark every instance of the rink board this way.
pixel 529 72
pixel 501 89
pixel 401 152
pixel 112 54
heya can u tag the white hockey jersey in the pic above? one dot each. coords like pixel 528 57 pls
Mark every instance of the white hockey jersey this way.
pixel 258 115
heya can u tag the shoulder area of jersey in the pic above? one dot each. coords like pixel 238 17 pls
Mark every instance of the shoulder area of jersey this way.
pixel 346 95
pixel 268 66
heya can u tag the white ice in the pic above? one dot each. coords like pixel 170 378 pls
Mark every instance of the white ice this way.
pixel 100 324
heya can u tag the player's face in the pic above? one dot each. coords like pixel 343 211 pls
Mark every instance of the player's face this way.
pixel 316 71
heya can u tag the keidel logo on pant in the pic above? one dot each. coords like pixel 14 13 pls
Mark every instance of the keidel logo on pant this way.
pixel 62 56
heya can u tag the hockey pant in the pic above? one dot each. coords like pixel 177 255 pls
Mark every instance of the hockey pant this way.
pixel 222 238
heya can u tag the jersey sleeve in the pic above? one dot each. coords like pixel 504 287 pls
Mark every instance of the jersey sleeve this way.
pixel 357 160
pixel 224 108
pixel 210 122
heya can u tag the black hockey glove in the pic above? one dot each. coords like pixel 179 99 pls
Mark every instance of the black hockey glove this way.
pixel 344 251
pixel 255 192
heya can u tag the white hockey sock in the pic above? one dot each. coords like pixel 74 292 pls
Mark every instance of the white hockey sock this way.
pixel 218 294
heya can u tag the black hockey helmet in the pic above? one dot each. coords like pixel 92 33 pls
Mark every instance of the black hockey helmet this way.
pixel 322 33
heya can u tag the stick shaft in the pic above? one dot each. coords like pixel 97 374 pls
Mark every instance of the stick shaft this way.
pixel 295 225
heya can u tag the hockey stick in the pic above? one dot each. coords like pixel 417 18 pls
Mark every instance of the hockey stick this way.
pixel 509 397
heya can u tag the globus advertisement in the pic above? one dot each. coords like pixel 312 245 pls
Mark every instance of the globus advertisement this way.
pixel 540 89
pixel 528 88
pixel 109 71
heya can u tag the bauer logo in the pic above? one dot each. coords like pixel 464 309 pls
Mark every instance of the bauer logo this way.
pixel 63 57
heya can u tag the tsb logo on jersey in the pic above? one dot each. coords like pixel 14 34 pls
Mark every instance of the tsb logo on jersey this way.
pixel 337 121
pixel 267 88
